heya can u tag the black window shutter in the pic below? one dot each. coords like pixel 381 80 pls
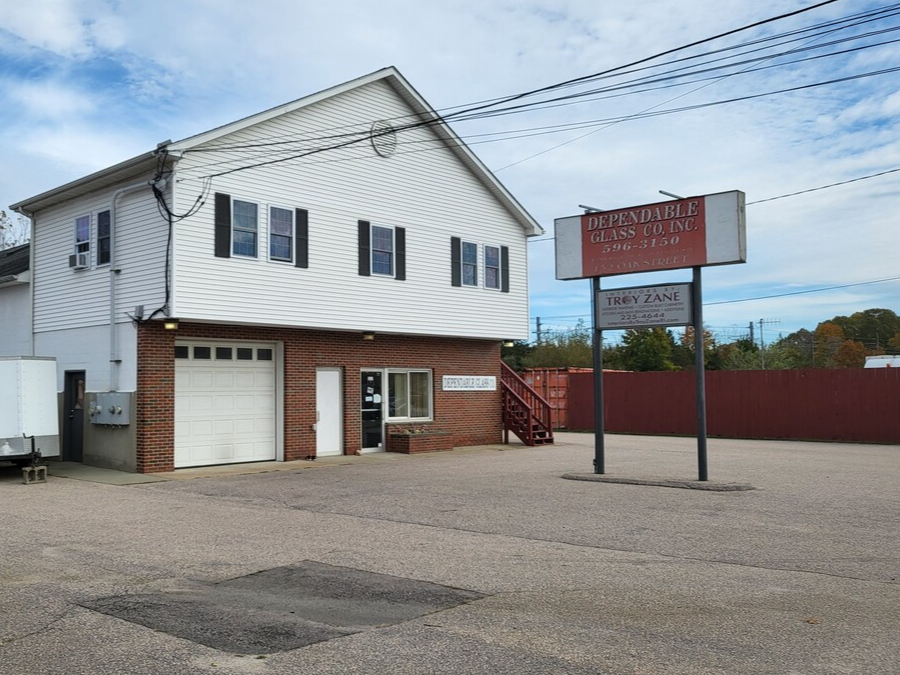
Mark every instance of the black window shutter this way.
pixel 504 269
pixel 400 247
pixel 301 237
pixel 223 225
pixel 456 261
pixel 365 255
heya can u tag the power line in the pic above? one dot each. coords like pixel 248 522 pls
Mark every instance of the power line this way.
pixel 478 111
pixel 791 194
pixel 759 297
pixel 812 290
pixel 823 187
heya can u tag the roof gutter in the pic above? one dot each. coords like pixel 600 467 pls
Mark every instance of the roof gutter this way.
pixel 15 279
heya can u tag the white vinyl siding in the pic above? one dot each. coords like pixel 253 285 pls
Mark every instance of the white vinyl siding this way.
pixel 67 299
pixel 422 187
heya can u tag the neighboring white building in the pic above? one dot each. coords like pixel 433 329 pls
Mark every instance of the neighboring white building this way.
pixel 15 302
pixel 329 261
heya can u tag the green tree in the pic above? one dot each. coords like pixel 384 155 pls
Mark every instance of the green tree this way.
pixel 561 349
pixel 683 352
pixel 801 347
pixel 829 338
pixel 873 327
pixel 516 355
pixel 834 350
pixel 645 349
pixel 894 343
pixel 851 354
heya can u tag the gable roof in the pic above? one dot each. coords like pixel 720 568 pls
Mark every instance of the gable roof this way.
pixel 14 261
pixel 391 76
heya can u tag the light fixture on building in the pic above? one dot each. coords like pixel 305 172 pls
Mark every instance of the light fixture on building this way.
pixel 508 343
pixel 368 335
pixel 170 324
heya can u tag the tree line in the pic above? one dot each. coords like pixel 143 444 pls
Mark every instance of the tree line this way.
pixel 840 342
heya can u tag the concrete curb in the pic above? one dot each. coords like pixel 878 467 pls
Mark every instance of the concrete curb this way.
pixel 658 482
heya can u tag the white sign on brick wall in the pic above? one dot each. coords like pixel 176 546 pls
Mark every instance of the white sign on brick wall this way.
pixel 470 383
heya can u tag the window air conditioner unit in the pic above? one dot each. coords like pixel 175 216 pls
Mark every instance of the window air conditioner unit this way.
pixel 80 261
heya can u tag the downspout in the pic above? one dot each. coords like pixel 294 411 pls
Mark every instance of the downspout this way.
pixel 114 360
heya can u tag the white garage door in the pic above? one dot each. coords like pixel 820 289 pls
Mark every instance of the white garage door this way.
pixel 224 403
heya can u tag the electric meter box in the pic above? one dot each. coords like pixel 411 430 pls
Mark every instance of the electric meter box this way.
pixel 111 407
pixel 29 400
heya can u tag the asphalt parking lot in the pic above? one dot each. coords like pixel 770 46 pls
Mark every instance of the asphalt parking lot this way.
pixel 473 561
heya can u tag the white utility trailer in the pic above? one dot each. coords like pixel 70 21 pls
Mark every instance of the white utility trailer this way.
pixel 28 408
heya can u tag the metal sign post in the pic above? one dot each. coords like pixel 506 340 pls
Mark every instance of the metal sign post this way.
pixel 597 346
pixel 700 368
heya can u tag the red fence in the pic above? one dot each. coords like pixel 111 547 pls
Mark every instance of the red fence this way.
pixel 831 405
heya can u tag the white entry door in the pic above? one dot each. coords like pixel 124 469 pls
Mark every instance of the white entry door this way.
pixel 329 412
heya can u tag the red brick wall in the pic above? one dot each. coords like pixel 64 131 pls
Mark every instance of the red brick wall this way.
pixel 473 418
pixel 155 399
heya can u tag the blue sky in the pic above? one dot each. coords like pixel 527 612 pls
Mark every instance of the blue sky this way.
pixel 89 83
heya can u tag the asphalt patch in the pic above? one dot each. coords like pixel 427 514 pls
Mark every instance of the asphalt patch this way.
pixel 284 608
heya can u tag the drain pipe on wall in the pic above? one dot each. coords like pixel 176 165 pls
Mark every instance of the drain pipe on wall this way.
pixel 114 360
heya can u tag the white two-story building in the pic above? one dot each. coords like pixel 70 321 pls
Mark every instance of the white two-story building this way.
pixel 286 286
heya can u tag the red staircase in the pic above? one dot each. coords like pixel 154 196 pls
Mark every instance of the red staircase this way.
pixel 525 413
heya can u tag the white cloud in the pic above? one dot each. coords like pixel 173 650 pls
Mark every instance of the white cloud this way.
pixel 57 26
pixel 47 100
pixel 127 75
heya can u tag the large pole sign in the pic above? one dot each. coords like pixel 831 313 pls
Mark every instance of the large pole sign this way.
pixel 693 232
pixel 686 233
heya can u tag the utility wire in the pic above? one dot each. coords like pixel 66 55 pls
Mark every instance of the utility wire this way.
pixel 648 113
pixel 791 194
pixel 812 290
pixel 624 89
pixel 759 297
pixel 472 109
pixel 823 187
pixel 834 25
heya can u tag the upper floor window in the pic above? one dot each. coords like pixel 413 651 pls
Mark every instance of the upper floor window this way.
pixel 281 234
pixel 469 264
pixel 492 267
pixel 237 231
pixel 464 265
pixel 83 234
pixel 104 238
pixel 382 250
pixel 244 228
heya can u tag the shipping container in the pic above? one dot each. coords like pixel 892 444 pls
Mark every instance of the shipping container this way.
pixel 552 384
